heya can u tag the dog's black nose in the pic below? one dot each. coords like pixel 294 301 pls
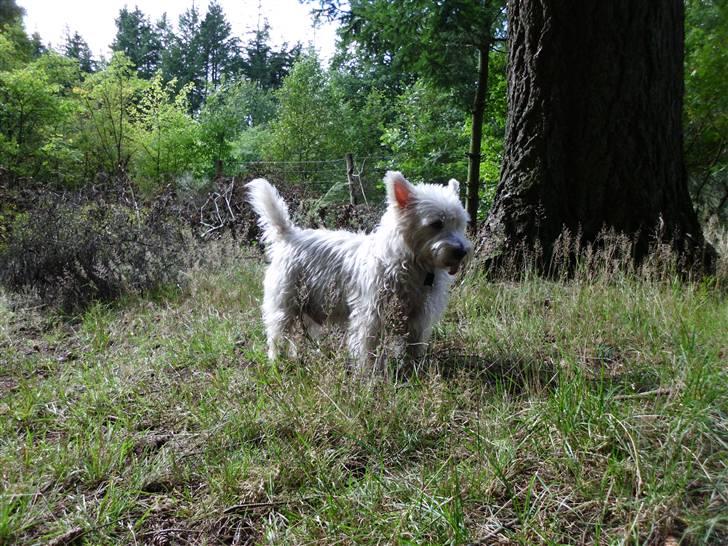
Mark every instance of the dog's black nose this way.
pixel 460 252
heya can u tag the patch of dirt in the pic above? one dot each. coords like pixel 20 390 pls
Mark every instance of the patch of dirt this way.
pixel 165 526
pixel 7 385
pixel 151 443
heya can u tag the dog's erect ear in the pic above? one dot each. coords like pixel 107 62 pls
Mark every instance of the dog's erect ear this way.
pixel 454 186
pixel 399 191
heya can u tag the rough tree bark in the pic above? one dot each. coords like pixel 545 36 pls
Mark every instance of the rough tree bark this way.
pixel 594 133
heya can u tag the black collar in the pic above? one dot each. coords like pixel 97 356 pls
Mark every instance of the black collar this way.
pixel 429 279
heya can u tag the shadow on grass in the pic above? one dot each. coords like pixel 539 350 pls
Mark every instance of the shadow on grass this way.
pixel 518 375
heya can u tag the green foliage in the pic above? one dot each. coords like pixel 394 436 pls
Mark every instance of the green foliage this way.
pixel 229 112
pixel 106 98
pixel 166 137
pixel 706 105
pixel 219 47
pixel 37 46
pixel 10 57
pixel 368 112
pixel 21 44
pixel 38 121
pixel 439 43
pixel 436 41
pixel 310 124
pixel 202 52
pixel 494 128
pixel 183 59
pixel 429 135
pixel 250 145
pixel 400 85
pixel 31 108
pixel 61 70
pixel 10 12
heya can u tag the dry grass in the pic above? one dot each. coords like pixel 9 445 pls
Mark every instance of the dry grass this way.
pixel 589 410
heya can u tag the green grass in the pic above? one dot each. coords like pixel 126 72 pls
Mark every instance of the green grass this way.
pixel 550 413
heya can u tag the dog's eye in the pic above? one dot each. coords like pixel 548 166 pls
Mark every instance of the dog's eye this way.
pixel 437 225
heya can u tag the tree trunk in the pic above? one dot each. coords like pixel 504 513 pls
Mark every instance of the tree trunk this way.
pixel 476 136
pixel 594 134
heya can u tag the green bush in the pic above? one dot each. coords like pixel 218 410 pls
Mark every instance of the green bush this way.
pixel 310 125
pixel 429 137
pixel 167 137
pixel 231 121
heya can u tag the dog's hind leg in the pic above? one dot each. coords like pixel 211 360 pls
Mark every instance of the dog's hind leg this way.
pixel 363 336
pixel 278 328
pixel 279 315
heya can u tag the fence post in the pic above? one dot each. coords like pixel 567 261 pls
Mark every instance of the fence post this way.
pixel 350 177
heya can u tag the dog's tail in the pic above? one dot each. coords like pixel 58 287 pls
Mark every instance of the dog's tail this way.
pixel 271 209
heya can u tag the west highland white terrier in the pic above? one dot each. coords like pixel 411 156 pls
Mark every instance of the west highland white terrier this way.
pixel 319 276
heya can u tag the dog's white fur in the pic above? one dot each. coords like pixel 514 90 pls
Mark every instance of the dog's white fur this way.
pixel 340 277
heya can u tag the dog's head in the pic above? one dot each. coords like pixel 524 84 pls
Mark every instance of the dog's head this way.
pixel 431 220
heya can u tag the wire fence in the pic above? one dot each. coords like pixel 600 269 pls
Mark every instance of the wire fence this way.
pixel 350 178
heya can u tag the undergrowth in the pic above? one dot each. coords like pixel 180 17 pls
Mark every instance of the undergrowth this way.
pixel 588 410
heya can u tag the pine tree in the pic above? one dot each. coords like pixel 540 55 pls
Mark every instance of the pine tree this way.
pixel 10 13
pixel 11 26
pixel 264 65
pixel 76 47
pixel 185 61
pixel 37 45
pixel 138 40
pixel 219 49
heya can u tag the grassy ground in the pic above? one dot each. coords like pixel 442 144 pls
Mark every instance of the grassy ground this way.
pixel 552 412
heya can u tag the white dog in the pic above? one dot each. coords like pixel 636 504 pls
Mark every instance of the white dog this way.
pixel 407 262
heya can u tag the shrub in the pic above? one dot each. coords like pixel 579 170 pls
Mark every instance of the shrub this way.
pixel 167 136
pixel 429 136
pixel 75 251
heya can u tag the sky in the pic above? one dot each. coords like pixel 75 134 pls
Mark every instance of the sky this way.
pixel 94 20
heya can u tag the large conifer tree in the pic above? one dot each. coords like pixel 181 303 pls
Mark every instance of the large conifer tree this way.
pixel 138 40
pixel 263 64
pixel 219 47
pixel 76 47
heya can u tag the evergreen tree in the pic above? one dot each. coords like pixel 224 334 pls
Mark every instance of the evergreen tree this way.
pixel 185 61
pixel 11 27
pixel 10 13
pixel 165 35
pixel 164 31
pixel 264 65
pixel 76 47
pixel 37 46
pixel 219 49
pixel 138 40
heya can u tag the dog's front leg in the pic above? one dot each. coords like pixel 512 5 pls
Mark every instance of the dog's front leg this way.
pixel 419 329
